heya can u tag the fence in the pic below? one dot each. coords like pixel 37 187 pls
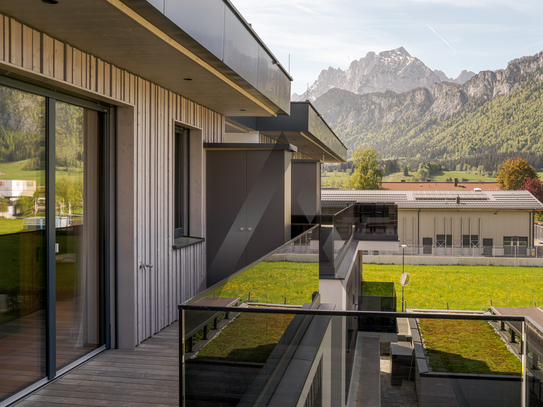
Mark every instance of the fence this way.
pixel 474 251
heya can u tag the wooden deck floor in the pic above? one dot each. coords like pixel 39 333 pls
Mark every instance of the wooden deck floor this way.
pixel 146 376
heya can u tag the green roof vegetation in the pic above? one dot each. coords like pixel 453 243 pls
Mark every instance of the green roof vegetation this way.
pixel 474 347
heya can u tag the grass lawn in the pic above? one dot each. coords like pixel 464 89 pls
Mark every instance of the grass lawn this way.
pixel 467 347
pixel 464 287
pixel 271 282
pixel 331 179
pixel 248 338
pixel 375 288
pixel 14 170
pixel 10 226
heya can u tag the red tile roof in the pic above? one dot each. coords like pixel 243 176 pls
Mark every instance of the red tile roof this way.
pixel 440 186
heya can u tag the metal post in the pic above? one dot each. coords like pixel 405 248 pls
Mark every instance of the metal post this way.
pixel 402 298
pixel 182 358
pixel 524 360
pixel 403 268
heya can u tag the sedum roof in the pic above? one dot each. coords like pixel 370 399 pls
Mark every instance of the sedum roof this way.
pixel 520 200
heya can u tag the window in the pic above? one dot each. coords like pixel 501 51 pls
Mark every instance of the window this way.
pixel 440 240
pixel 181 193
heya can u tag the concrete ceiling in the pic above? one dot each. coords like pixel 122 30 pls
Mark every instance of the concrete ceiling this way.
pixel 110 30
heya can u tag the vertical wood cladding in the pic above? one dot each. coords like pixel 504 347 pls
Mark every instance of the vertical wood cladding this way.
pixel 177 274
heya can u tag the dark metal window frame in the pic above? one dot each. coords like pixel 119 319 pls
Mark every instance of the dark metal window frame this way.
pixel 51 96
pixel 181 182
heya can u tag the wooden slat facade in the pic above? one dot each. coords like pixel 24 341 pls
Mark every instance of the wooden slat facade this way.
pixel 177 274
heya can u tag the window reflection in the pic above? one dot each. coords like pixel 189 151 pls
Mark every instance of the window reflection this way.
pixel 22 239
pixel 76 209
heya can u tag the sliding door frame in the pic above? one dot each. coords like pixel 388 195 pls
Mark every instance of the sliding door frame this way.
pixel 105 248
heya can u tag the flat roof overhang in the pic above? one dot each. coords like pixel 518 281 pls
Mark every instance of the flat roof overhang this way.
pixel 305 128
pixel 156 50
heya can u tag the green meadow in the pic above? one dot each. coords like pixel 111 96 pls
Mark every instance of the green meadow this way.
pixel 271 282
pixel 16 170
pixel 463 287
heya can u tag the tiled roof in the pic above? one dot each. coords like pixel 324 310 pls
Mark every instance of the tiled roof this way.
pixel 522 200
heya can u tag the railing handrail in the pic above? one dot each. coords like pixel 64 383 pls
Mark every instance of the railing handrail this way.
pixel 222 282
pixel 344 209
pixel 432 315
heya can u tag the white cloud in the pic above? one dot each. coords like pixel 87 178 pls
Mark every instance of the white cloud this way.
pixel 322 33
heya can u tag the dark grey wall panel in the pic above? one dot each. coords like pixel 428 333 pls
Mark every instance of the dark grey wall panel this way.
pixel 226 213
pixel 240 48
pixel 265 202
pixel 203 20
pixel 248 207
pixel 305 191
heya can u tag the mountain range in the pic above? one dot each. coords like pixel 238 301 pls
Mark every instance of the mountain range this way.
pixel 394 70
pixel 480 121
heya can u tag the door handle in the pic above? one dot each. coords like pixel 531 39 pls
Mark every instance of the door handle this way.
pixel 145 265
pixel 249 229
pixel 241 229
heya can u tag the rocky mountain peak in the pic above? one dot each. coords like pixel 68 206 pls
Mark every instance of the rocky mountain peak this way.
pixel 393 70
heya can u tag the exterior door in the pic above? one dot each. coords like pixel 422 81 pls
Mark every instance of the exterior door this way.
pixel 427 245
pixel 52 284
pixel 22 240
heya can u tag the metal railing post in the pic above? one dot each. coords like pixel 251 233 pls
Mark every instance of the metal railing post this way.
pixel 524 388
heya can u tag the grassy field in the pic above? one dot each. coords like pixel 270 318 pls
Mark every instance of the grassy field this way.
pixel 463 287
pixel 331 179
pixel 14 170
pixel 248 338
pixel 271 282
pixel 467 347
pixel 10 226
pixel 441 176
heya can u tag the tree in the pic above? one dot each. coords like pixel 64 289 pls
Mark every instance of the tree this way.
pixel 405 171
pixel 513 172
pixel 433 168
pixel 535 186
pixel 366 172
pixel 3 204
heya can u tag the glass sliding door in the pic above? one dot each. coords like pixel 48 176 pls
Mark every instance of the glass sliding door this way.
pixel 79 311
pixel 22 239
pixel 52 275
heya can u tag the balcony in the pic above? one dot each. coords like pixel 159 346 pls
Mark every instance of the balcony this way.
pixel 264 336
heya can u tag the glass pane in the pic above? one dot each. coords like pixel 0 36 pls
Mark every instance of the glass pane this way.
pixel 78 306
pixel 22 224
pixel 254 359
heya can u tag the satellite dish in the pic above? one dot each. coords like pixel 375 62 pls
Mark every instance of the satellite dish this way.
pixel 404 279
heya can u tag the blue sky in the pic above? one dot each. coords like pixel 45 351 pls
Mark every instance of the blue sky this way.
pixel 450 35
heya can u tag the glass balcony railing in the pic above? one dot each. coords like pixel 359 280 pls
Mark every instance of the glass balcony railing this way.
pixel 317 356
pixel 336 232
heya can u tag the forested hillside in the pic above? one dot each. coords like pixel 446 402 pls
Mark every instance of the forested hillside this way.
pixel 492 116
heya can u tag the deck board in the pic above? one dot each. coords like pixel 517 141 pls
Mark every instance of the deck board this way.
pixel 146 376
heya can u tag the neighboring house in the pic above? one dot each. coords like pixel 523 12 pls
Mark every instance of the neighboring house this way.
pixel 17 188
pixel 127 100
pixel 493 223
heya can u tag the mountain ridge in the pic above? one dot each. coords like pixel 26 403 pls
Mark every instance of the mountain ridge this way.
pixel 393 122
pixel 393 70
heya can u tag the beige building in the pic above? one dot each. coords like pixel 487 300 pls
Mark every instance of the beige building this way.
pixel 489 223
